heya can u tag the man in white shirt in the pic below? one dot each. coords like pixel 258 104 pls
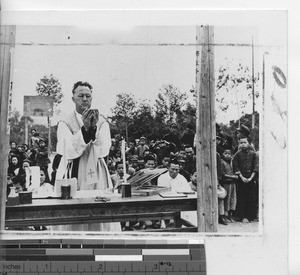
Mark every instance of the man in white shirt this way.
pixel 177 182
pixel 173 179
pixel 83 137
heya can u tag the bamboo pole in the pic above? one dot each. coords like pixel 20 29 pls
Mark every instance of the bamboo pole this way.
pixel 7 42
pixel 207 203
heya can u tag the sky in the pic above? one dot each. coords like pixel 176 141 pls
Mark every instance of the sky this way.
pixel 133 59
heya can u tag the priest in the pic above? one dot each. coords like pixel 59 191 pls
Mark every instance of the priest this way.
pixel 84 137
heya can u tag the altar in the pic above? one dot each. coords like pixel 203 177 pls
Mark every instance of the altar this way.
pixel 56 211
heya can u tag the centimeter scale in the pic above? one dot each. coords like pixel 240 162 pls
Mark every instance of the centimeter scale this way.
pixel 108 256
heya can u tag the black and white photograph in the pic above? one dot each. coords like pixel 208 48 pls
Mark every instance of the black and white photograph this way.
pixel 162 123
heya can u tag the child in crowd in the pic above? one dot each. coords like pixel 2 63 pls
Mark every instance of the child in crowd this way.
pixel 45 188
pixel 141 148
pixel 13 165
pixel 149 162
pixel 193 182
pixel 9 184
pixel 23 175
pixel 118 177
pixel 245 166
pixel 13 150
pixel 42 159
pixel 221 210
pixel 165 163
pixel 229 183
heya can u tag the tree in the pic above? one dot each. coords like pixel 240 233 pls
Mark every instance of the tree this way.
pixel 169 103
pixel 17 127
pixel 234 88
pixel 124 111
pixel 49 86
pixel 143 123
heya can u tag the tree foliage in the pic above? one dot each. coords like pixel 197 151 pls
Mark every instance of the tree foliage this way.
pixel 234 87
pixel 169 103
pixel 50 86
pixel 17 127
pixel 123 112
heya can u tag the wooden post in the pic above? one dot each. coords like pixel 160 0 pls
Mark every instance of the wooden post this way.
pixel 7 42
pixel 207 202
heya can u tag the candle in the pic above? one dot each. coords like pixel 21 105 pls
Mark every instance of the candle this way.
pixel 65 160
pixel 124 160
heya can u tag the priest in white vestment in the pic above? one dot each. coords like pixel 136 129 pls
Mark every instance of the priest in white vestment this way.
pixel 87 140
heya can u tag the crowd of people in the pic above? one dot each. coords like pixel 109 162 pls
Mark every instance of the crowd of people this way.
pixel 86 151
pixel 21 157
pixel 237 168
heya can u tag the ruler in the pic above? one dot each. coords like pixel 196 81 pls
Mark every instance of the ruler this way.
pixel 112 257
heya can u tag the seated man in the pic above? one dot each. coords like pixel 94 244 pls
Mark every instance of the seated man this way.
pixel 173 179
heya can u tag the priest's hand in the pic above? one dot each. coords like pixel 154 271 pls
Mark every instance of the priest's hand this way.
pixel 95 118
pixel 86 118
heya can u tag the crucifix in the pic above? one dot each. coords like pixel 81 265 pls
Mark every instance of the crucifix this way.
pixel 91 173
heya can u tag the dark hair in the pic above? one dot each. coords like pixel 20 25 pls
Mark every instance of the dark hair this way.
pixel 80 83
pixel 193 171
pixel 174 161
pixel 120 162
pixel 47 179
pixel 149 157
pixel 14 156
pixel 244 137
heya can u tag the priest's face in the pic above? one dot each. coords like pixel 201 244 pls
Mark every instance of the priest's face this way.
pixel 82 97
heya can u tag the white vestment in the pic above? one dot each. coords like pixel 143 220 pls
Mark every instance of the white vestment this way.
pixel 92 170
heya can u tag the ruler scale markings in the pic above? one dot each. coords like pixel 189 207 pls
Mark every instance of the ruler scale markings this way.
pixel 133 256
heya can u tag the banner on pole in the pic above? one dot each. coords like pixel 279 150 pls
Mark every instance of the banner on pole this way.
pixel 38 106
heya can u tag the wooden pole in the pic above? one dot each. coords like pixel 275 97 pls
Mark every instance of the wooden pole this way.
pixel 207 203
pixel 7 42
